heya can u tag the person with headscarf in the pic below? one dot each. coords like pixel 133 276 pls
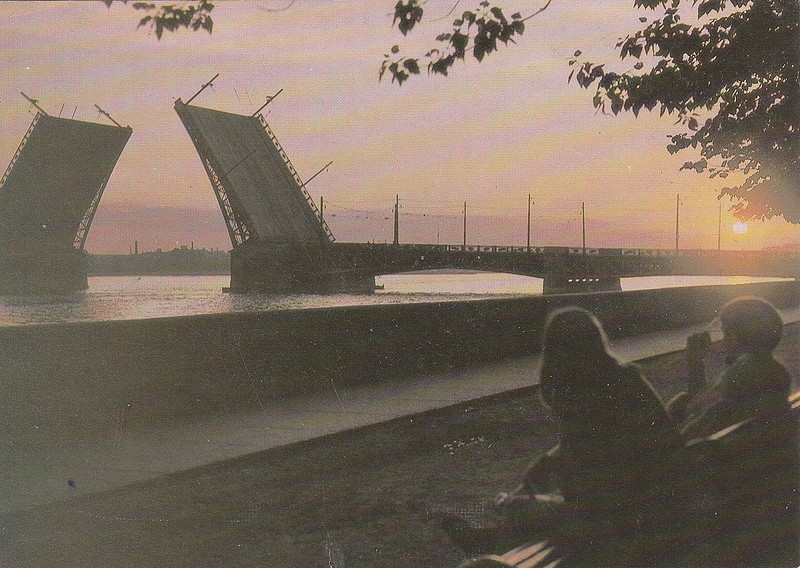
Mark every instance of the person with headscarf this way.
pixel 617 439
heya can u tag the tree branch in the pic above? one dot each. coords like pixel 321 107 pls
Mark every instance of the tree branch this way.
pixel 273 10
pixel 448 13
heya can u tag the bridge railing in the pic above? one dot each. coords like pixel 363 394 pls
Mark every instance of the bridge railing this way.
pixel 575 251
pixel 19 149
pixel 296 177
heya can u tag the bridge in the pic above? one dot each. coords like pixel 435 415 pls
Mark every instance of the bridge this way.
pixel 49 195
pixel 281 242
pixel 563 269
pixel 51 190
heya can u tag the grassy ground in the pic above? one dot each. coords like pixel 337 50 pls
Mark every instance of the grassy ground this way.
pixel 359 498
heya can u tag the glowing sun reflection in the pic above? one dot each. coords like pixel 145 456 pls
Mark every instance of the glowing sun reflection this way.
pixel 739 227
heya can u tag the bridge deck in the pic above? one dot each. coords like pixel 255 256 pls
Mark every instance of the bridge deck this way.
pixel 348 265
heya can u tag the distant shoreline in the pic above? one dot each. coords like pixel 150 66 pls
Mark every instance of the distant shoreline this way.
pixel 182 261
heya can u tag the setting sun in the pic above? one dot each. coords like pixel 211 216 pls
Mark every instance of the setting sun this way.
pixel 739 227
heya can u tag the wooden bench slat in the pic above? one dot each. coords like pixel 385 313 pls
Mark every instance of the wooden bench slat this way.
pixel 533 561
pixel 522 553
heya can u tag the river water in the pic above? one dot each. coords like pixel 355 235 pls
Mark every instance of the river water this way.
pixel 141 297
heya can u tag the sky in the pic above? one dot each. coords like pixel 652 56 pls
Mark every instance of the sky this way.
pixel 489 134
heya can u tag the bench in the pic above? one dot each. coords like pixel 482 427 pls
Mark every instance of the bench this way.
pixel 532 555
pixel 725 446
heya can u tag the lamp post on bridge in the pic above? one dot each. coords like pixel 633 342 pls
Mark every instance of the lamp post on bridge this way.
pixel 583 224
pixel 465 225
pixel 677 218
pixel 529 222
pixel 396 219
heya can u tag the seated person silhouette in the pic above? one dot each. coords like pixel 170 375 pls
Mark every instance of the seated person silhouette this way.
pixel 754 386
pixel 607 480
pixel 751 474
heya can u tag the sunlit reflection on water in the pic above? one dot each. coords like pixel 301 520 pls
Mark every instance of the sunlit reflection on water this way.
pixel 141 297
pixel 653 282
pixel 451 286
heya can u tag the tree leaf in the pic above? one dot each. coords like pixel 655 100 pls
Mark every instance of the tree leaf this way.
pixel 459 42
pixel 412 66
pixel 407 13
pixel 707 7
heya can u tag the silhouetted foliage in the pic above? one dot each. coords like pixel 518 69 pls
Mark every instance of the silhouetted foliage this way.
pixel 732 78
pixel 476 30
pixel 171 17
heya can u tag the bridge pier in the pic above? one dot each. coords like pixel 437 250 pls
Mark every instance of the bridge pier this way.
pixel 293 269
pixel 559 284
pixel 43 273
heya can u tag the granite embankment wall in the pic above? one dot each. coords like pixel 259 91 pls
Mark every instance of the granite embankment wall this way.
pixel 61 382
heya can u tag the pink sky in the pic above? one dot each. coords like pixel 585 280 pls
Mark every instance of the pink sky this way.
pixel 489 134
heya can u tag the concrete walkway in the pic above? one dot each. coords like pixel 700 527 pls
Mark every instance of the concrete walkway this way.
pixel 32 479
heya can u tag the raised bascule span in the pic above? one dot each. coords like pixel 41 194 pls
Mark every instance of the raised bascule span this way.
pixel 281 243
pixel 49 195
pixel 280 240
